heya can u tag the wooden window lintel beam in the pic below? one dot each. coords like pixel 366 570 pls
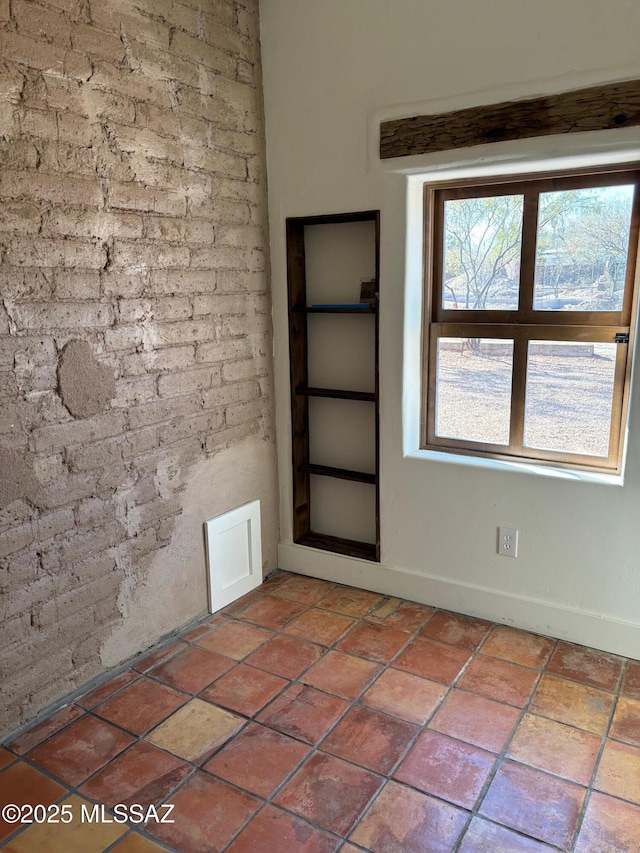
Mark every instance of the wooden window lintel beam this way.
pixel 597 108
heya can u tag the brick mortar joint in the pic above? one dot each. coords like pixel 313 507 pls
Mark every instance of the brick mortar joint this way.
pixel 60 153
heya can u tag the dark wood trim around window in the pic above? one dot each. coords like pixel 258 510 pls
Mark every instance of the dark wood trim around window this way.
pixel 525 323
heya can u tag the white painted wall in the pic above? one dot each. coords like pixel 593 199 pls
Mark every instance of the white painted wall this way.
pixel 332 69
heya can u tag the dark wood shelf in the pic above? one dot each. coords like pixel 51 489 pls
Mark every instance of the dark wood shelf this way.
pixel 299 312
pixel 364 311
pixel 338 394
pixel 333 218
pixel 339 473
pixel 348 547
pixel 309 310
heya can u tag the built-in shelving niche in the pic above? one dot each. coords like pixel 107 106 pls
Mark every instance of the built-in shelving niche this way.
pixel 334 382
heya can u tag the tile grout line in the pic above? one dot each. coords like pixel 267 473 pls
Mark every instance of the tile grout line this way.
pixel 196 767
pixel 356 702
pixel 209 756
pixel 502 755
pixel 315 748
pixel 605 736
pixel 351 704
pixel 268 801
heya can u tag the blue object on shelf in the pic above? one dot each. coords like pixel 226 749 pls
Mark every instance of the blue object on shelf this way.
pixel 341 305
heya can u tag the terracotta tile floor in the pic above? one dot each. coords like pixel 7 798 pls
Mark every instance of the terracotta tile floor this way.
pixel 312 717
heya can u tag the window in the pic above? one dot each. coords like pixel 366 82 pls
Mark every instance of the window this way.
pixel 528 316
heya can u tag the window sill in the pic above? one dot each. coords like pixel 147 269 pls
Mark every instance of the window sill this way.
pixel 517 467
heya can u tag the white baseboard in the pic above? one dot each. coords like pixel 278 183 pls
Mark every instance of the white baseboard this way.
pixel 541 617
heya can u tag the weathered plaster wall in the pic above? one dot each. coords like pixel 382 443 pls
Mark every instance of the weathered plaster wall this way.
pixel 135 333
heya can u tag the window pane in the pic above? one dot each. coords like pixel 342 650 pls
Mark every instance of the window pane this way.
pixel 473 389
pixel 581 254
pixel 569 396
pixel 481 253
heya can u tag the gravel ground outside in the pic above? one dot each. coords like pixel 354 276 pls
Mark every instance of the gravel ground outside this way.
pixel 568 405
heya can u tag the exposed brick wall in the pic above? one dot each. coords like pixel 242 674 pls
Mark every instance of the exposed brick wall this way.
pixel 132 217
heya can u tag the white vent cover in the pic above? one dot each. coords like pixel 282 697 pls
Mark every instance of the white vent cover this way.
pixel 234 554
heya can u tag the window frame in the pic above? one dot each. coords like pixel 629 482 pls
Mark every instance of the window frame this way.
pixel 526 323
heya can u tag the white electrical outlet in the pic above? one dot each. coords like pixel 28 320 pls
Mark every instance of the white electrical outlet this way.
pixel 507 542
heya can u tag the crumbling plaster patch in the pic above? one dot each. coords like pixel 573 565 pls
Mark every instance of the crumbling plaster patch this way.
pixel 173 589
pixel 18 479
pixel 86 386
